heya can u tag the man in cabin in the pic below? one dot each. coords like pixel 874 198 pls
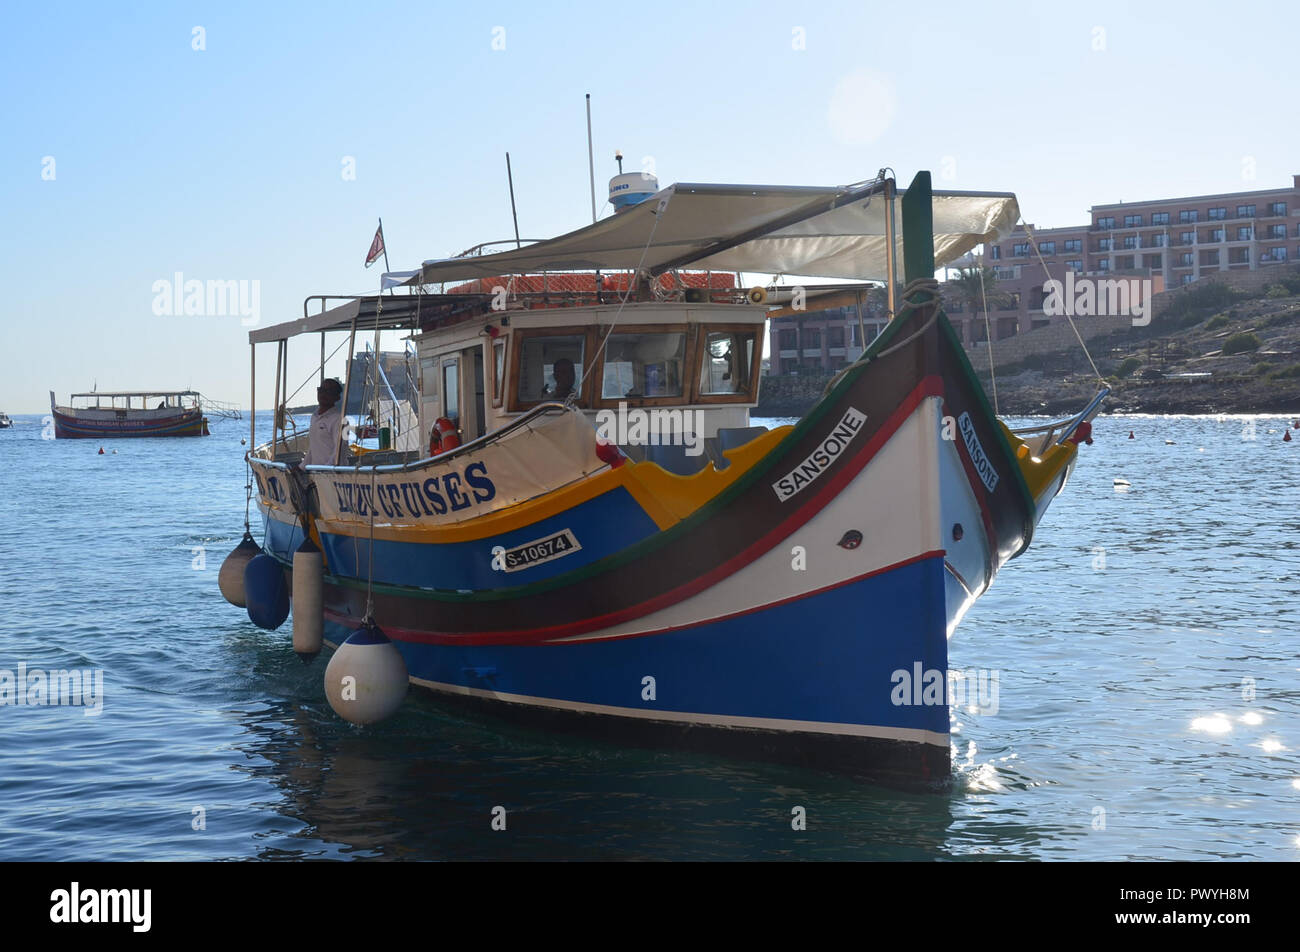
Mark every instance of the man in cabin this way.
pixel 564 378
pixel 323 443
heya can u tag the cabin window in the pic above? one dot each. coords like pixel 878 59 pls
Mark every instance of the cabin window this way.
pixel 451 389
pixel 538 359
pixel 643 365
pixel 498 371
pixel 429 378
pixel 728 362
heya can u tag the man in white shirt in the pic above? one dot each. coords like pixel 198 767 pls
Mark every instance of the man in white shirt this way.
pixel 323 443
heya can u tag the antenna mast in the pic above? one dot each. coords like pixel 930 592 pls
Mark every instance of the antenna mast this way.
pixel 591 162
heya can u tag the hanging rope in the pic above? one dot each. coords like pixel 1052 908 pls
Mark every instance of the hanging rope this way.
pixel 573 395
pixel 1034 244
pixel 988 338
pixel 248 494
pixel 370 572
pixel 314 372
pixel 911 298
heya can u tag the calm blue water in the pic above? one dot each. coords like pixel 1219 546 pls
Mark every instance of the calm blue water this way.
pixel 1149 706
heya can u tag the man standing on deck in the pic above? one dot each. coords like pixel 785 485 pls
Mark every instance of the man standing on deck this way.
pixel 323 443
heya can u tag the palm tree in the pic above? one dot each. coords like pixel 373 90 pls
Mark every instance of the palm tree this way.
pixel 974 286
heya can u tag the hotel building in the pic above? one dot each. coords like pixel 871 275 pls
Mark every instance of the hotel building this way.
pixel 1172 241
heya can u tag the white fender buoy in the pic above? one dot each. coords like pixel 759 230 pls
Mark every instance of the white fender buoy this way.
pixel 308 600
pixel 366 679
pixel 231 577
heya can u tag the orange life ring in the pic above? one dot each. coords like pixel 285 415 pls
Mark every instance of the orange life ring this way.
pixel 443 437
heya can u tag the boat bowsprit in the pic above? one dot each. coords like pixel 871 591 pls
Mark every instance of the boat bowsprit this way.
pixel 725 587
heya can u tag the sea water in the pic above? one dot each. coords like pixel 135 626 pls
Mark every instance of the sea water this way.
pixel 1146 650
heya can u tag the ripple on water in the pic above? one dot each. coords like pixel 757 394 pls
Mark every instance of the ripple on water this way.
pixel 1144 645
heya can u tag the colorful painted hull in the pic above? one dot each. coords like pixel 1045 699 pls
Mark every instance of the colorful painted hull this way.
pixel 71 424
pixel 789 605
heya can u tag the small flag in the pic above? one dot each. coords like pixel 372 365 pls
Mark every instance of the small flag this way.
pixel 376 246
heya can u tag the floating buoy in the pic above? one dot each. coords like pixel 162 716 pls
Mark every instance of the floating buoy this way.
pixel 1170 443
pixel 265 594
pixel 366 679
pixel 101 451
pixel 1130 434
pixel 1286 436
pixel 243 442
pixel 1121 481
pixel 231 577
pixel 1295 425
pixel 308 603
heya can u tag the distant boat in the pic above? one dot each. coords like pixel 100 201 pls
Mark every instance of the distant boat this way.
pixel 5 422
pixel 133 413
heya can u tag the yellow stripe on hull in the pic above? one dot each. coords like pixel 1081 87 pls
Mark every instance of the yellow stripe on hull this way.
pixel 666 498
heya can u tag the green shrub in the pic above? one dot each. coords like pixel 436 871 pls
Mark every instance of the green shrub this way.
pixel 1277 291
pixel 1290 316
pixel 1194 304
pixel 1285 373
pixel 1240 343
pixel 1217 321
pixel 1263 367
pixel 1127 366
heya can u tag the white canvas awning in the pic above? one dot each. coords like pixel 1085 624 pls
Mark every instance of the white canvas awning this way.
pixel 804 231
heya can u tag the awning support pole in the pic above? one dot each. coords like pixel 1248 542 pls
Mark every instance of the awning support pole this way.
pixel 891 263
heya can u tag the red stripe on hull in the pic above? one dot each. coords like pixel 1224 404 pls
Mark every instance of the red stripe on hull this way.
pixel 406 634
pixel 931 386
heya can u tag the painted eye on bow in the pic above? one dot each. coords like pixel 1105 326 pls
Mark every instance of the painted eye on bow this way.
pixel 850 540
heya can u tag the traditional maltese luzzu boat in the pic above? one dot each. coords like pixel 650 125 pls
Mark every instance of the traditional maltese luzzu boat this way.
pixel 104 415
pixel 613 547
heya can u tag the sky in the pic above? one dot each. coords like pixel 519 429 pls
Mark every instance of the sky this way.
pixel 259 143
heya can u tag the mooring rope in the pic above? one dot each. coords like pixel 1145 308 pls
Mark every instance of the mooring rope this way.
pixel 1034 244
pixel 627 294
pixel 248 494
pixel 907 301
pixel 988 338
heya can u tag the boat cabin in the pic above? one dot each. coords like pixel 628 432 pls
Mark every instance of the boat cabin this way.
pixel 687 361
pixel 136 400
pixel 698 360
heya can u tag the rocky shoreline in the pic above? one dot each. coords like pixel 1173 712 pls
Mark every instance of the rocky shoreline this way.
pixel 1229 353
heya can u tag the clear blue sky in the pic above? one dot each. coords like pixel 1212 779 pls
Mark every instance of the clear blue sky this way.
pixel 226 163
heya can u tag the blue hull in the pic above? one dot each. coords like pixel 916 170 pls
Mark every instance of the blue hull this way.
pixel 822 664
